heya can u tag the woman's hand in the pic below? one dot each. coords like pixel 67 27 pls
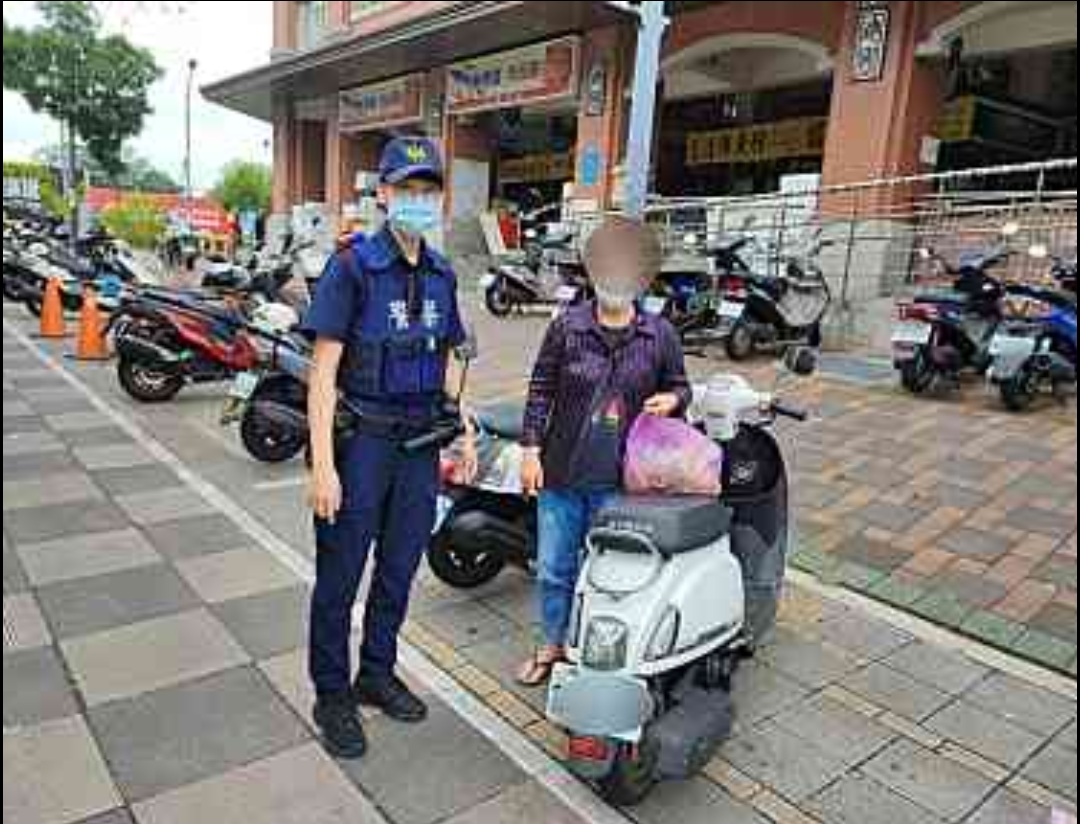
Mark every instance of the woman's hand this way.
pixel 532 471
pixel 467 461
pixel 662 404
pixel 324 493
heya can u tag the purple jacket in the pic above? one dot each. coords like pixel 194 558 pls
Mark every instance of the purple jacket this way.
pixel 575 362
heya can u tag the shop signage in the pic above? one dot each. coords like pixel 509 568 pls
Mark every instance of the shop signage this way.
pixel 22 188
pixel 536 168
pixel 541 72
pixel 596 89
pixel 379 105
pixel 871 41
pixel 798 137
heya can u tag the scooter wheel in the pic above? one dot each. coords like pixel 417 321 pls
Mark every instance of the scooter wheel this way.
pixel 498 301
pixel 1018 393
pixel 33 306
pixel 915 376
pixel 266 442
pixel 461 570
pixel 632 775
pixel 146 385
pixel 740 342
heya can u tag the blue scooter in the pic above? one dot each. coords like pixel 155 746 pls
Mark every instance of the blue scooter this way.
pixel 1035 345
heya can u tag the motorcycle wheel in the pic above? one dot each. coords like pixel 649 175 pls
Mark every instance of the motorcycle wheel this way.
pixel 33 304
pixel 740 342
pixel 916 376
pixel 265 442
pixel 461 570
pixel 146 385
pixel 1019 391
pixel 498 301
pixel 632 775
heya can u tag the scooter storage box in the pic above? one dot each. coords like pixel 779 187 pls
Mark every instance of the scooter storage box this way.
pixel 674 524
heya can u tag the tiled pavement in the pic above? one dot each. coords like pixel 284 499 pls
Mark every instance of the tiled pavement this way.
pixel 153 672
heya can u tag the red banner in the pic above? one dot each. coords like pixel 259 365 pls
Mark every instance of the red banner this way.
pixel 205 214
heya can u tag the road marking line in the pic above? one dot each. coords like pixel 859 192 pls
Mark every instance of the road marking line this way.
pixel 514 744
pixel 291 482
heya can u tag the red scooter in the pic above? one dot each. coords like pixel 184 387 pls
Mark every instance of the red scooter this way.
pixel 168 340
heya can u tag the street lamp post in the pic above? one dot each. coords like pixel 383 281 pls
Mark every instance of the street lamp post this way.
pixel 651 25
pixel 192 63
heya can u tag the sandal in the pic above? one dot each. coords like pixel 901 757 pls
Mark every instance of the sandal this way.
pixel 537 670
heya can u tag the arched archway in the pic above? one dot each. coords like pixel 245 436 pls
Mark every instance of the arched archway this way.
pixel 740 111
pixel 1004 26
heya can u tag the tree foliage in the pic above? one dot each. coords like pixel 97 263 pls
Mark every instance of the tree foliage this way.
pixel 136 172
pixel 68 68
pixel 136 218
pixel 244 186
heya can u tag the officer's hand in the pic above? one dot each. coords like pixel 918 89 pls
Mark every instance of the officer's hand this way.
pixel 532 472
pixel 324 493
pixel 662 404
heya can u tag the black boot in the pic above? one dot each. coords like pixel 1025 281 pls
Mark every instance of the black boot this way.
pixel 391 695
pixel 339 722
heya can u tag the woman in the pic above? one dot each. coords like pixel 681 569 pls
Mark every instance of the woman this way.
pixel 602 363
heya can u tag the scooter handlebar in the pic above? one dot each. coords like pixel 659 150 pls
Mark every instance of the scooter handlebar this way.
pixel 780 409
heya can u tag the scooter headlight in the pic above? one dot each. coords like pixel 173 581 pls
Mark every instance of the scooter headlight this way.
pixel 665 636
pixel 605 644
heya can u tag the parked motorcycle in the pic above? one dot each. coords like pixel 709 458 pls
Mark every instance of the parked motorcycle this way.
pixel 759 311
pixel 942 333
pixel 1034 348
pixel 548 272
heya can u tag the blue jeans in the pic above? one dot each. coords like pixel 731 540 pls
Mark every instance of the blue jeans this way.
pixel 563 517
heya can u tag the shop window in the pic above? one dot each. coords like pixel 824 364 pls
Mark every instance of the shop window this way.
pixel 312 22
pixel 365 8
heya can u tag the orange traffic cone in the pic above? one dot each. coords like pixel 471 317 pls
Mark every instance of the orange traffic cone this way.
pixel 91 342
pixel 52 311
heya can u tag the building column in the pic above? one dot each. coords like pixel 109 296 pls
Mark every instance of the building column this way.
pixel 599 146
pixel 335 183
pixel 284 27
pixel 876 127
pixel 284 167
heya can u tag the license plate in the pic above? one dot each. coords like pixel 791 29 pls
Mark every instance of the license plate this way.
pixel 243 385
pixel 487 281
pixel 731 309
pixel 912 334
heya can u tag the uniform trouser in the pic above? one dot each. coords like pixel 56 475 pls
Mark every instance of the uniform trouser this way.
pixel 388 508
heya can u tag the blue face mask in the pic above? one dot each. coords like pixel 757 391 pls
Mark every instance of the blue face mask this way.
pixel 414 214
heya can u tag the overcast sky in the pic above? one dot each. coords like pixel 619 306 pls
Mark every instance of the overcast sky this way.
pixel 224 37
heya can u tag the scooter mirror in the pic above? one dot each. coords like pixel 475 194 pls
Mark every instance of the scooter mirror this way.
pixel 1010 229
pixel 801 361
pixel 1039 251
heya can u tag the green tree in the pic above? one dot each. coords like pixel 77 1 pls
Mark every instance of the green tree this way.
pixel 138 219
pixel 136 173
pixel 95 84
pixel 244 186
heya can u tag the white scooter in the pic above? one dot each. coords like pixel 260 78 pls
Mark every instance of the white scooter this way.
pixel 673 593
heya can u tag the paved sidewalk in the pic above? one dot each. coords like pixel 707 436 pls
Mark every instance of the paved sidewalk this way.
pixel 153 670
pixel 154 659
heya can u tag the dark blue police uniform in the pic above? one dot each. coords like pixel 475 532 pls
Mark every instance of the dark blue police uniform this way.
pixel 398 324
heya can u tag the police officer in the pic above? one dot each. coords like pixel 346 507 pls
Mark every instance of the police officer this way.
pixel 385 319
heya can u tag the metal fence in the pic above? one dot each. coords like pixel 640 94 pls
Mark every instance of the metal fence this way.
pixel 876 228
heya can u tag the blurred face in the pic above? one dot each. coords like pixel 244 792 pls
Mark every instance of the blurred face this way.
pixel 615 269
pixel 413 206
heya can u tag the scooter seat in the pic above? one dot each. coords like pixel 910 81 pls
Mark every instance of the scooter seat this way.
pixel 503 420
pixel 675 524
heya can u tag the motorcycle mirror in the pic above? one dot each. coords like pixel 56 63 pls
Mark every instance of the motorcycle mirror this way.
pixel 801 361
pixel 1010 229
pixel 1039 251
